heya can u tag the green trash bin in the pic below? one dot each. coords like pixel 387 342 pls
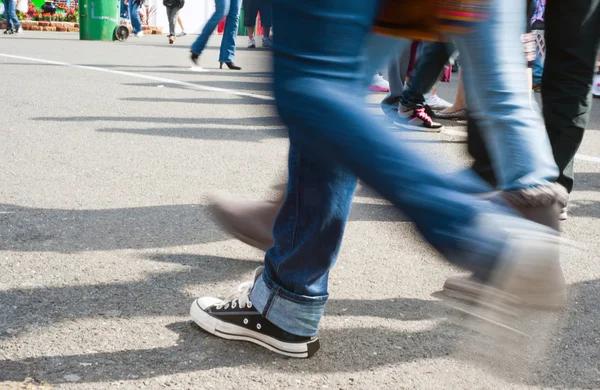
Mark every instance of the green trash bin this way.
pixel 242 31
pixel 98 19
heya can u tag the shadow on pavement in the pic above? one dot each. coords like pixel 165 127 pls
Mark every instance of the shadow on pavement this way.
pixel 231 101
pixel 249 121
pixel 585 209
pixel 160 294
pixel 572 361
pixel 587 181
pixel 55 230
pixel 240 135
pixel 231 85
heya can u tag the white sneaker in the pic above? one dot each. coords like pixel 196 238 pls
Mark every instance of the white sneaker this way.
pixel 251 43
pixel 437 103
pixel 236 318
pixel 596 86
pixel 379 84
pixel 138 35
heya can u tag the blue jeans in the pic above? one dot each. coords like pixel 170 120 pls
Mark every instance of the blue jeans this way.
pixel 511 125
pixel 231 8
pixel 134 16
pixel 537 69
pixel 10 14
pixel 318 81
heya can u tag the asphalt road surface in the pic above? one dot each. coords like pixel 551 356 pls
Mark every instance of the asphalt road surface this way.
pixel 106 153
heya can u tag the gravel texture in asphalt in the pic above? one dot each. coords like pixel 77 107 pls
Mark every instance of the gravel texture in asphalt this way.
pixel 105 237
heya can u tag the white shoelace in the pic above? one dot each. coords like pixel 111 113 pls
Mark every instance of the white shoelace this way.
pixel 240 296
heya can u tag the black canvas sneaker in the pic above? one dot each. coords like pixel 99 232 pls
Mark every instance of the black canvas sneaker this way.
pixel 418 119
pixel 235 318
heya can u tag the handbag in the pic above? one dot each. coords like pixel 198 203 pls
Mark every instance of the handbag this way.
pixel 430 20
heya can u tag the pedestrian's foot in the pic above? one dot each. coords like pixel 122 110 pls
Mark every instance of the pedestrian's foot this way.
pixel 266 43
pixel 171 39
pixel 182 34
pixel 8 31
pixel 249 221
pixel 19 30
pixel 379 84
pixel 139 34
pixel 235 318
pixel 419 118
pixel 563 216
pixel 445 114
pixel 194 57
pixel 437 103
pixel 251 43
pixel 537 87
pixel 528 275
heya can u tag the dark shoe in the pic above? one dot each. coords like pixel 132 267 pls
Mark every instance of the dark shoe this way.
pixel 235 318
pixel 194 57
pixel 230 65
pixel 419 118
pixel 248 221
pixel 541 204
pixel 9 31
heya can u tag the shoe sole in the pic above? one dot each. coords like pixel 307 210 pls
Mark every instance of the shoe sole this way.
pixel 379 89
pixel 236 234
pixel 538 302
pixel 229 331
pixel 498 307
pixel 422 129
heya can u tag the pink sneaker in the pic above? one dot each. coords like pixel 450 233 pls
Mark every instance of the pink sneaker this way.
pixel 379 84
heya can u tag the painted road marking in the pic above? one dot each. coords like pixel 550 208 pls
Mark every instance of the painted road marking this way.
pixel 582 157
pixel 143 76
pixel 200 87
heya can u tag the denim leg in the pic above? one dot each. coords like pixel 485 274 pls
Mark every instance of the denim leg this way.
pixel 221 9
pixel 317 82
pixel 512 128
pixel 374 47
pixel 397 70
pixel 308 234
pixel 12 15
pixel 136 22
pixel 6 17
pixel 538 63
pixel 227 53
pixel 538 69
pixel 431 62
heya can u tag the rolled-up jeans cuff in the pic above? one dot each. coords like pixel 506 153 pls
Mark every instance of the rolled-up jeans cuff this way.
pixel 297 314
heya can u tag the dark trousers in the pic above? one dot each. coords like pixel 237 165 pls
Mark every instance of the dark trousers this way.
pixel 253 7
pixel 172 17
pixel 572 41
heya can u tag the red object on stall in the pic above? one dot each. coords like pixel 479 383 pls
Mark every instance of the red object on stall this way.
pixel 259 28
pixel 221 27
